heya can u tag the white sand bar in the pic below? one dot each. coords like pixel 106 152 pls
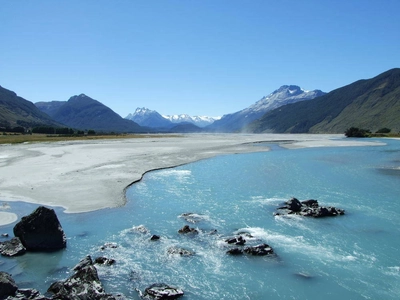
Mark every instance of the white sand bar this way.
pixel 89 175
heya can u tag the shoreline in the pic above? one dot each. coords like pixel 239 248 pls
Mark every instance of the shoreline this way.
pixel 83 176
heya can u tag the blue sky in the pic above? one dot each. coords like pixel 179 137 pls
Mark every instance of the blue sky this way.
pixel 206 57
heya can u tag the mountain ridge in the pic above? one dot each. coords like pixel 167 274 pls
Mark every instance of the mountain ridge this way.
pixel 284 95
pixel 368 103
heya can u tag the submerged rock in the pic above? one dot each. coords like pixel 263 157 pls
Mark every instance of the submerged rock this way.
pixel 161 291
pixel 308 208
pixel 12 247
pixel 180 251
pixel 104 261
pixel 41 231
pixel 192 217
pixel 186 229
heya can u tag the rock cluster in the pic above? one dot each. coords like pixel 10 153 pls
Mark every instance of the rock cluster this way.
pixel 308 208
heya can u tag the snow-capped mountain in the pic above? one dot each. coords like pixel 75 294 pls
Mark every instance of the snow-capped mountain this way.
pixel 286 94
pixel 151 118
pixel 200 121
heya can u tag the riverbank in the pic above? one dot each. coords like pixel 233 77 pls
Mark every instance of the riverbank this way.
pixel 83 176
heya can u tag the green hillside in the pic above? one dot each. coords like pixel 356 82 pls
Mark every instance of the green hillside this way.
pixel 371 104
pixel 18 112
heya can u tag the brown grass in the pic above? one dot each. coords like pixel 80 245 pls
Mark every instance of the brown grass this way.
pixel 11 138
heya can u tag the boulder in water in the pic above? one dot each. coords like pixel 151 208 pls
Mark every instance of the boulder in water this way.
pixel 41 231
pixel 7 285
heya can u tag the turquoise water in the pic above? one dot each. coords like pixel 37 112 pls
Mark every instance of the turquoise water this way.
pixel 354 256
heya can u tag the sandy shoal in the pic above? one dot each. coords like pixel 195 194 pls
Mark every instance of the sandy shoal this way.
pixel 84 176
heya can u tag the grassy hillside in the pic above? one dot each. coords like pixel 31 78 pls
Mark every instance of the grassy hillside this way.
pixel 371 104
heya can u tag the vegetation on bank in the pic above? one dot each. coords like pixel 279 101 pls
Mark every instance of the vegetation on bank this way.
pixel 360 132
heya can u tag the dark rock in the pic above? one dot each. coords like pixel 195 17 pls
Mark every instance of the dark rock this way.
pixel 4 235
pixel 12 247
pixel 238 240
pixel 109 245
pixel 155 237
pixel 262 249
pixel 104 261
pixel 162 291
pixel 41 231
pixel 180 251
pixel 235 251
pixel 308 208
pixel 186 229
pixel 310 203
pixel 293 205
pixel 25 294
pixel 7 285
pixel 87 261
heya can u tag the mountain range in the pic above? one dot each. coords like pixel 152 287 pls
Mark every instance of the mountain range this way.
pixel 286 94
pixel 369 103
pixel 83 112
pixel 151 118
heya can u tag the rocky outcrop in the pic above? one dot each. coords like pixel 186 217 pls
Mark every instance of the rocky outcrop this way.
pixel 7 285
pixel 41 231
pixel 24 294
pixel 84 284
pixel 12 247
pixel 161 291
pixel 308 208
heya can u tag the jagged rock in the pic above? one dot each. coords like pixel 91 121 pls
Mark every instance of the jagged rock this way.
pixel 238 240
pixel 309 208
pixel 12 247
pixel 262 249
pixel 84 284
pixel 104 261
pixel 41 231
pixel 180 251
pixel 4 235
pixel 186 229
pixel 235 251
pixel 161 291
pixel 25 294
pixel 7 285
pixel 155 237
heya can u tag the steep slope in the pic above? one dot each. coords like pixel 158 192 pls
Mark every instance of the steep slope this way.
pixel 16 111
pixel 83 112
pixel 286 94
pixel 370 104
pixel 150 118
